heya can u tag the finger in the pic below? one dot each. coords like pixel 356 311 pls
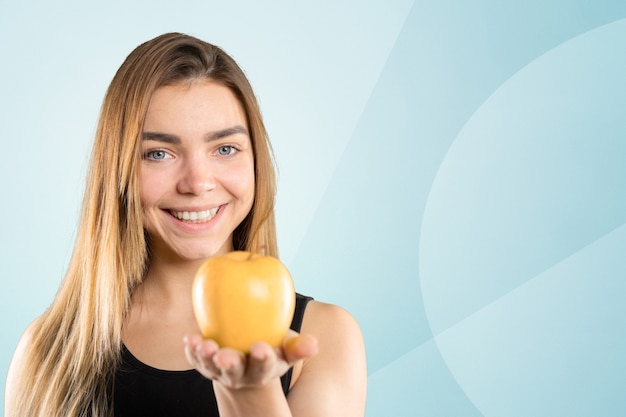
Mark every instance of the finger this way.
pixel 207 349
pixel 200 354
pixel 191 344
pixel 192 340
pixel 263 364
pixel 231 365
pixel 206 352
pixel 299 347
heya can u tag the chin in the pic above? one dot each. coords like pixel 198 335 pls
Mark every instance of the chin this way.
pixel 203 253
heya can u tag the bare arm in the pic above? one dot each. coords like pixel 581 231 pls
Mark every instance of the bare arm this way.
pixel 331 380
pixel 334 382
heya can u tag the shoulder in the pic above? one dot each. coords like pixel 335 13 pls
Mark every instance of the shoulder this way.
pixel 323 319
pixel 338 372
pixel 16 368
pixel 21 349
pixel 338 334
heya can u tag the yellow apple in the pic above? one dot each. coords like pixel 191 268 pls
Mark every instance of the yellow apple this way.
pixel 241 298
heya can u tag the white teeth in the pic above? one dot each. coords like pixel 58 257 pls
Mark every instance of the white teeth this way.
pixel 195 215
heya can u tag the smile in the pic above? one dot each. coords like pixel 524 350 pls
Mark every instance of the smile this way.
pixel 195 216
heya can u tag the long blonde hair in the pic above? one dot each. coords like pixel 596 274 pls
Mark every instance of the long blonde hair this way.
pixel 75 345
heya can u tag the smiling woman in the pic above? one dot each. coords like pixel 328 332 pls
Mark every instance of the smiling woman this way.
pixel 197 173
pixel 181 171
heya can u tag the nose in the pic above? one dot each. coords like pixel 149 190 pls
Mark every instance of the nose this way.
pixel 197 176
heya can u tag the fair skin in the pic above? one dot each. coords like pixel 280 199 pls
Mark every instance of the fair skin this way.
pixel 197 185
pixel 198 157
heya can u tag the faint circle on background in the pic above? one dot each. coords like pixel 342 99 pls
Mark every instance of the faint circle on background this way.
pixel 524 235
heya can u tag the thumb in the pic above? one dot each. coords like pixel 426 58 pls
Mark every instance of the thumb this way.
pixel 299 346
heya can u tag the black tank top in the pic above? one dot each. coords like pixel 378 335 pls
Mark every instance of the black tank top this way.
pixel 141 390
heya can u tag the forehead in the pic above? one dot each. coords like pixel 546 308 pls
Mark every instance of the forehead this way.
pixel 197 105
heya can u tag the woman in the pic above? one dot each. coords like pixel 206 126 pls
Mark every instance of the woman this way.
pixel 181 171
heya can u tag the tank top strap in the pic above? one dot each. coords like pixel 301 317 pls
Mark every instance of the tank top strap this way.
pixel 296 325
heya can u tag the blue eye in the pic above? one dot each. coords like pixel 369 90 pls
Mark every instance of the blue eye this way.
pixel 156 155
pixel 226 150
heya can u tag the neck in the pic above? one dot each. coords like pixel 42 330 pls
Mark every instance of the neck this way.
pixel 169 283
pixel 169 278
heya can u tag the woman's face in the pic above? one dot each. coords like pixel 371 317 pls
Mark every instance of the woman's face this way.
pixel 197 170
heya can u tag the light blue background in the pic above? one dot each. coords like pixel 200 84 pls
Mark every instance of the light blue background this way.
pixel 451 172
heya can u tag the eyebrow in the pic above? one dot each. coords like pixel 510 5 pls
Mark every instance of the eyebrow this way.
pixel 175 140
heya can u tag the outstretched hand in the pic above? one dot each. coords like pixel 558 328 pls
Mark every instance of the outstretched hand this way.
pixel 234 369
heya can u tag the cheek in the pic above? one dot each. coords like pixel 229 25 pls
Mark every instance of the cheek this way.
pixel 149 189
pixel 240 180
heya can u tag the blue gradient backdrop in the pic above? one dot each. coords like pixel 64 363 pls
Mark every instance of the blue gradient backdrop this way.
pixel 451 172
